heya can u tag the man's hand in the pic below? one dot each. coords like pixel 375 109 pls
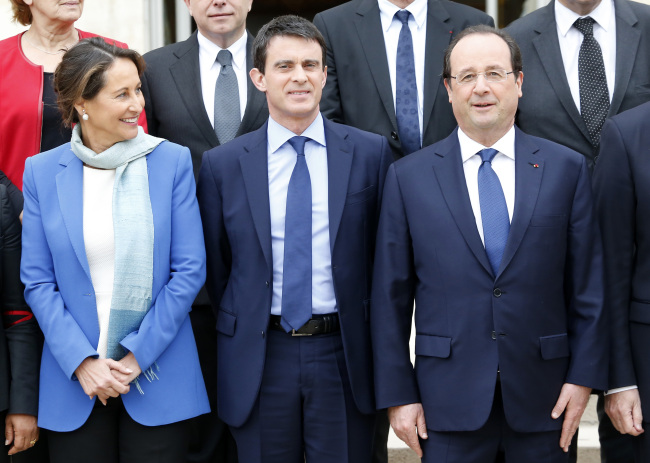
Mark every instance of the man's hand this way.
pixel 21 432
pixel 624 408
pixel 572 401
pixel 408 422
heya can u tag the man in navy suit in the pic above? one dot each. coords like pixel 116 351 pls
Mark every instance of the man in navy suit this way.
pixel 289 214
pixel 491 232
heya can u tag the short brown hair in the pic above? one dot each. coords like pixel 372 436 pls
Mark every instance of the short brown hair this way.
pixel 22 13
pixel 515 52
pixel 285 26
pixel 82 73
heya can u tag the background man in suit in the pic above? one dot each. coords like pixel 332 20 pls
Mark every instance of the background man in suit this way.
pixel 569 106
pixel 186 88
pixel 289 215
pixel 510 338
pixel 621 183
pixel 381 51
pixel 562 106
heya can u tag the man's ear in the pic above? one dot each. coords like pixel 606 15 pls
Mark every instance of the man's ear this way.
pixel 258 79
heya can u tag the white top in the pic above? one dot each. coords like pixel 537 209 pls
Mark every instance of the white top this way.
pixel 418 26
pixel 282 159
pixel 503 164
pixel 99 240
pixel 571 38
pixel 210 70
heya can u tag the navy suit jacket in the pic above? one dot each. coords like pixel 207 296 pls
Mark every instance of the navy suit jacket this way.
pixel 358 90
pixel 622 191
pixel 538 320
pixel 233 196
pixel 547 109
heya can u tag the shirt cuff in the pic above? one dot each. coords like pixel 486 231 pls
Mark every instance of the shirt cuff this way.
pixel 620 389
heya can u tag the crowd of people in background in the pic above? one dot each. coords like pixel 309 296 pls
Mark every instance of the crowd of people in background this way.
pixel 215 252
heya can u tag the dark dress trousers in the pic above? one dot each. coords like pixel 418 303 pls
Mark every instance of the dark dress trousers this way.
pixel 547 109
pixel 20 338
pixel 538 320
pixel 175 110
pixel 622 191
pixel 358 90
pixel 233 193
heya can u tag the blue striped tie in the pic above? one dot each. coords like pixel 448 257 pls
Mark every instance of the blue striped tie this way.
pixel 296 271
pixel 494 211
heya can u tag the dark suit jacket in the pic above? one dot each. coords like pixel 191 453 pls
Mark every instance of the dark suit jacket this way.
pixel 539 320
pixel 233 196
pixel 20 338
pixel 622 191
pixel 547 109
pixel 358 91
pixel 174 105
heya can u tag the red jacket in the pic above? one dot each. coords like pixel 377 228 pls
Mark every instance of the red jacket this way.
pixel 21 106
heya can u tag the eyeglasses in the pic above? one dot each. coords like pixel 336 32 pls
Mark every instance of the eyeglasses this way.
pixel 493 75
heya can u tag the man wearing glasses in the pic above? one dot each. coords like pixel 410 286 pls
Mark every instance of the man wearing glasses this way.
pixel 491 232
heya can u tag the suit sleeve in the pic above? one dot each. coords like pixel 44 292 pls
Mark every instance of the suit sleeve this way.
pixel 23 336
pixel 615 202
pixel 330 104
pixel 392 302
pixel 584 290
pixel 15 195
pixel 187 272
pixel 65 338
pixel 219 257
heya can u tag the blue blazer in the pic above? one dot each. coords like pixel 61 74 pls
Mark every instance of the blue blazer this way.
pixel 233 193
pixel 538 320
pixel 59 290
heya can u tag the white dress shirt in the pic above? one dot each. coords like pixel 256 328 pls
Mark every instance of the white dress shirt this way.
pixel 99 241
pixel 418 26
pixel 571 38
pixel 503 164
pixel 210 70
pixel 281 161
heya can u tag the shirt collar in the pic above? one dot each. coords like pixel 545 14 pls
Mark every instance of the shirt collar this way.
pixel 387 12
pixel 208 51
pixel 278 135
pixel 505 145
pixel 603 14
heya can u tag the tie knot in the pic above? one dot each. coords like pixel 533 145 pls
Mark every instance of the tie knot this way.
pixel 585 25
pixel 403 16
pixel 487 154
pixel 224 58
pixel 298 144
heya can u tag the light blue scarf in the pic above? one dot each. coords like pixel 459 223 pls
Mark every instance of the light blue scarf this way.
pixel 134 233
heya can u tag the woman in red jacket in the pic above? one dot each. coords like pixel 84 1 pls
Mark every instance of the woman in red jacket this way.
pixel 29 118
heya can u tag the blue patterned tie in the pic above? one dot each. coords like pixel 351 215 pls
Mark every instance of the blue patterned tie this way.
pixel 226 100
pixel 406 91
pixel 494 211
pixel 296 272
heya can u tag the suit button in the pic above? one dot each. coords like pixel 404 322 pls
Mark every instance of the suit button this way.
pixel 262 334
pixel 497 292
pixel 494 335
pixel 393 135
pixel 267 284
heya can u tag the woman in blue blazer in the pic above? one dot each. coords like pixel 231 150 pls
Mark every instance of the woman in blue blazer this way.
pixel 113 257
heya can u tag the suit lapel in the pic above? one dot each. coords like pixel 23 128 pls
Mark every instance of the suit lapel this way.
pixel 627 43
pixel 187 76
pixel 451 178
pixel 372 40
pixel 69 187
pixel 529 168
pixel 547 46
pixel 256 100
pixel 339 162
pixel 439 35
pixel 255 171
